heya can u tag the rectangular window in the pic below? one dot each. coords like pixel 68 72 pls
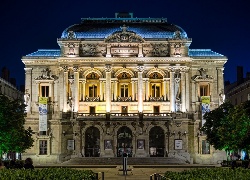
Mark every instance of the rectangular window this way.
pixel 124 109
pixel 92 110
pixel 205 147
pixel 156 109
pixel 45 91
pixel 204 90
pixel 93 91
pixel 43 147
pixel 155 91
pixel 124 90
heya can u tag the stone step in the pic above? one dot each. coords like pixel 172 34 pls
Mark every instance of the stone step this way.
pixel 118 161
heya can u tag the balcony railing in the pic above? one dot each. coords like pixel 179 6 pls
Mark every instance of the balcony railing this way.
pixel 156 98
pixel 124 99
pixel 92 99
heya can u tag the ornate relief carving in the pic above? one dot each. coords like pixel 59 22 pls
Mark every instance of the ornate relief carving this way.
pixel 46 75
pixel 177 50
pixel 128 71
pixel 71 48
pixel 71 35
pixel 75 68
pixel 94 50
pixel 108 68
pixel 177 35
pixel 124 36
pixel 140 68
pixel 156 50
pixel 156 70
pixel 92 70
pixel 203 75
pixel 65 68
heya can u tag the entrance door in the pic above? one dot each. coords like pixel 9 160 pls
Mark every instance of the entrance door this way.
pixel 156 142
pixel 92 142
pixel 124 142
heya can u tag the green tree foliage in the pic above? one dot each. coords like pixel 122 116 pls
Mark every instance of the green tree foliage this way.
pixel 13 136
pixel 228 127
pixel 214 121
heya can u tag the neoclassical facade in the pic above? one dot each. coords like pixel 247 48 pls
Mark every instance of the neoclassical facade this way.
pixel 119 85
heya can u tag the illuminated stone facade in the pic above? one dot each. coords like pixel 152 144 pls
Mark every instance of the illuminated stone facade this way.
pixel 122 85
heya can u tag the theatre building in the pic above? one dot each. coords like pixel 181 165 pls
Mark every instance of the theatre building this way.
pixel 122 85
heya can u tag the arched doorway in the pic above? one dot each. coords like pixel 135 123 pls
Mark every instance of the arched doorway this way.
pixel 92 142
pixel 124 142
pixel 156 142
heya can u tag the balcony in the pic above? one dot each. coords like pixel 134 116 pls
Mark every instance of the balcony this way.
pixel 92 99
pixel 124 99
pixel 156 99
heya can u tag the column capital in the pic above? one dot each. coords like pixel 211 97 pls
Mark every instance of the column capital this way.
pixel 75 69
pixel 108 67
pixel 65 68
pixel 140 68
pixel 28 69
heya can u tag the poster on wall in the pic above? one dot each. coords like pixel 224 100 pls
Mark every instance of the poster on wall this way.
pixel 140 144
pixel 43 113
pixel 178 144
pixel 205 106
pixel 107 144
pixel 71 144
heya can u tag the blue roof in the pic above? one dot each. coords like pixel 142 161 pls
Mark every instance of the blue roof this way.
pixel 104 27
pixel 46 53
pixel 203 53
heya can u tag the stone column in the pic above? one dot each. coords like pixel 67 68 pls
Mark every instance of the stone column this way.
pixel 28 88
pixel 140 51
pixel 108 87
pixel 187 92
pixel 133 90
pixel 80 90
pixel 115 90
pixel 108 51
pixel 83 89
pixel 101 93
pixel 65 89
pixel 51 91
pixel 147 89
pixel 164 83
pixel 172 97
pixel 140 88
pixel 76 89
pixel 183 92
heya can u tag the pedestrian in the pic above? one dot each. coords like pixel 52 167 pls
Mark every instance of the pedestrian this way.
pixel 28 164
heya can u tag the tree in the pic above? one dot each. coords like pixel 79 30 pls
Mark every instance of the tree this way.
pixel 228 127
pixel 215 120
pixel 13 136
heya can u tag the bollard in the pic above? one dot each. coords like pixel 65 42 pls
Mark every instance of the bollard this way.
pixel 124 164
pixel 151 177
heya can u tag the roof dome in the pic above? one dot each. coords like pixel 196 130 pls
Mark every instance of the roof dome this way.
pixel 144 27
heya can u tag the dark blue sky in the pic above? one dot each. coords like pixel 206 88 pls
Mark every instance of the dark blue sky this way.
pixel 29 25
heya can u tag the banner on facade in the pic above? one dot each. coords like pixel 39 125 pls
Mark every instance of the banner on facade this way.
pixel 43 101
pixel 205 106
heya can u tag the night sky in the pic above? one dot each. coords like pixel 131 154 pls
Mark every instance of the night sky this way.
pixel 223 26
